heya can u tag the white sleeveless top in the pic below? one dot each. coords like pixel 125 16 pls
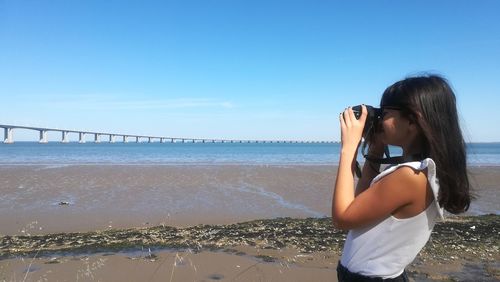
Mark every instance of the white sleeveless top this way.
pixel 386 248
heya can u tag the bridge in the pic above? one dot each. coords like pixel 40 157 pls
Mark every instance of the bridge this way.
pixel 125 138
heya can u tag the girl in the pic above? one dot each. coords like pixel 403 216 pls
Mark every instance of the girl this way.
pixel 390 215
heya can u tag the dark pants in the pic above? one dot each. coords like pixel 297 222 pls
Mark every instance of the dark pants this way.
pixel 344 275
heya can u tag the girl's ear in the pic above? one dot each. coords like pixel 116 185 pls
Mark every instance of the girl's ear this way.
pixel 414 117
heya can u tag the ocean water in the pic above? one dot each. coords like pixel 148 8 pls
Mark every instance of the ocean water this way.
pixel 55 153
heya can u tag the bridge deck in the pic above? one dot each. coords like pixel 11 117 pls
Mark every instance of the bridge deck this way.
pixel 43 136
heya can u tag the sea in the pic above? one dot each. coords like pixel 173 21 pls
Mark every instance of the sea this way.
pixel 61 154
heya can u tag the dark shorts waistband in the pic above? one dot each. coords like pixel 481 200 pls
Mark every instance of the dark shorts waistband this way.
pixel 344 275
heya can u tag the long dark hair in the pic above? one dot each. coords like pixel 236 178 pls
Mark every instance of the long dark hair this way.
pixel 430 102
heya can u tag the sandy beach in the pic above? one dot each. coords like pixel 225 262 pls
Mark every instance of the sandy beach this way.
pixel 175 266
pixel 187 223
pixel 39 199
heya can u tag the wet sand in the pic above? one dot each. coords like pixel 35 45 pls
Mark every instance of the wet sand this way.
pixel 220 266
pixel 40 199
pixel 102 197
pixel 36 200
pixel 174 266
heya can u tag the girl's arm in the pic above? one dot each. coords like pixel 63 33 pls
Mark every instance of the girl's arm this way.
pixel 383 198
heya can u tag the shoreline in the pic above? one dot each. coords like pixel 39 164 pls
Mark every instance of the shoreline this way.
pixel 461 242
pixel 206 164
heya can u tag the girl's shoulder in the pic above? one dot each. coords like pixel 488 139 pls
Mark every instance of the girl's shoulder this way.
pixel 409 171
pixel 403 176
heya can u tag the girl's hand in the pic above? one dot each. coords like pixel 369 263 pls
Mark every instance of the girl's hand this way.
pixel 352 128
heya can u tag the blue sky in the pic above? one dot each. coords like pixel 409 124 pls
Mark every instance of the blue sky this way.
pixel 238 69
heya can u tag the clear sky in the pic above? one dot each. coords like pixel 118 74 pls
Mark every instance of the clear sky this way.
pixel 238 69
